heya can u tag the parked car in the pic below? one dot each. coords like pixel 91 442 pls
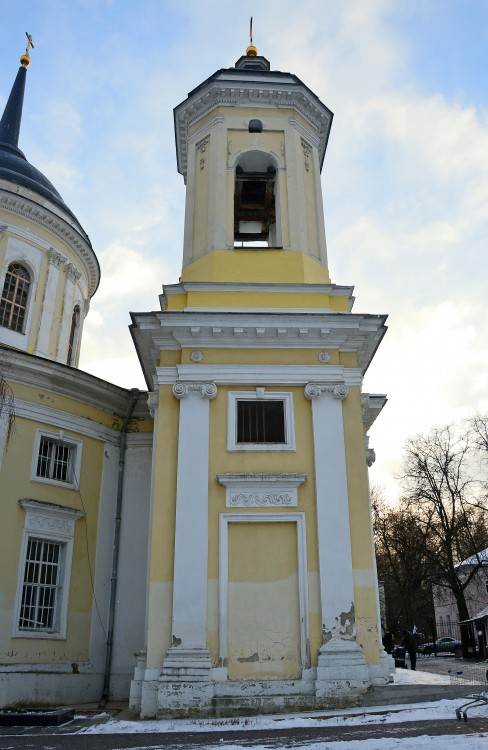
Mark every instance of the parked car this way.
pixel 444 645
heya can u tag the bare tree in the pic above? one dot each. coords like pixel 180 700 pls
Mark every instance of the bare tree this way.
pixel 402 564
pixel 448 505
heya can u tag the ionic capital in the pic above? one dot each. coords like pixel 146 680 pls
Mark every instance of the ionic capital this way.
pixel 206 390
pixel 337 390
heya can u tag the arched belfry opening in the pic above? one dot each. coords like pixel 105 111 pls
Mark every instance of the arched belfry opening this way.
pixel 256 214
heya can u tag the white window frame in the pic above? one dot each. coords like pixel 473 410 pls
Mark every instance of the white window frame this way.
pixel 260 394
pixel 59 437
pixel 50 523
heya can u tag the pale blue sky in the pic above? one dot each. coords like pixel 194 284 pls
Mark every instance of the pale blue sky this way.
pixel 405 177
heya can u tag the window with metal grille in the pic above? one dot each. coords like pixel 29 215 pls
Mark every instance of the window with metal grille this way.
pixel 261 421
pixel 15 294
pixel 41 586
pixel 55 460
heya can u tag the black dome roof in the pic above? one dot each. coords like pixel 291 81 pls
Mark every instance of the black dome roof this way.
pixel 14 167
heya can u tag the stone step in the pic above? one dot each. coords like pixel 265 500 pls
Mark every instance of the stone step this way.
pixel 389 695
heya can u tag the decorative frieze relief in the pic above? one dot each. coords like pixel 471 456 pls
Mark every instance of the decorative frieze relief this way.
pixel 307 150
pixel 260 499
pixel 196 356
pixel 314 390
pixel 206 390
pixel 55 258
pixel 49 518
pixel 261 490
pixel 201 148
pixel 324 357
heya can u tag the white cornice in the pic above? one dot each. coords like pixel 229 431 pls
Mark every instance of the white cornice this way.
pixel 334 290
pixel 43 374
pixel 265 375
pixel 61 225
pixel 81 426
pixel 346 332
pixel 229 88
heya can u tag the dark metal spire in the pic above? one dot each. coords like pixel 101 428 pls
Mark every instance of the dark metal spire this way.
pixel 12 115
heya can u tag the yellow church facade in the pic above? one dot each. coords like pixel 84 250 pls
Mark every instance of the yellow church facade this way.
pixel 205 546
pixel 262 589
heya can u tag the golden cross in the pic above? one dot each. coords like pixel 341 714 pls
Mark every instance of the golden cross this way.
pixel 29 43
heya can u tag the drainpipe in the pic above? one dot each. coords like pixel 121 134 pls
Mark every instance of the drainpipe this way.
pixel 134 393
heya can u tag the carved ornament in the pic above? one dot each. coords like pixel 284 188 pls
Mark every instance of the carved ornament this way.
pixel 54 258
pixel 206 390
pixel 314 390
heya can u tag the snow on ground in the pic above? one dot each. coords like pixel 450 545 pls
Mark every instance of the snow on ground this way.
pixel 419 712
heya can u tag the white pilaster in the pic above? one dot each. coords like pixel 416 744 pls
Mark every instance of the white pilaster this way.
pixel 55 260
pixel 185 683
pixel 72 276
pixel 380 673
pixel 341 668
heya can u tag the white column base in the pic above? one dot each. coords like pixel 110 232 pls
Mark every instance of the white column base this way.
pixel 382 673
pixel 341 670
pixel 149 693
pixel 135 691
pixel 186 687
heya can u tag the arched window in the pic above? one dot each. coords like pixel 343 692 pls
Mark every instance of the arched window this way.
pixel 255 219
pixel 75 321
pixel 13 303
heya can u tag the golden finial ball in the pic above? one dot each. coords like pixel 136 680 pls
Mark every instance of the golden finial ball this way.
pixel 25 61
pixel 251 51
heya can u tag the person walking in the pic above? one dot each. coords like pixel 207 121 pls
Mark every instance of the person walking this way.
pixel 409 642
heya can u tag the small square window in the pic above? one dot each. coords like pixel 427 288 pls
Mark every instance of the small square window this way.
pixel 260 421
pixel 56 459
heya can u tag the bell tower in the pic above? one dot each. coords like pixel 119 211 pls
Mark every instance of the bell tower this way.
pixel 262 586
pixel 250 145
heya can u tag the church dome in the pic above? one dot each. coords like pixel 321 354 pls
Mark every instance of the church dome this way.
pixel 15 168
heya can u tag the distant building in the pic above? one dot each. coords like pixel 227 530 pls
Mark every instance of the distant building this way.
pixel 219 525
pixel 476 595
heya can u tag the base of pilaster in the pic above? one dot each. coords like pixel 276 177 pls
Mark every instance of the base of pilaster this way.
pixel 342 672
pixel 382 673
pixel 185 687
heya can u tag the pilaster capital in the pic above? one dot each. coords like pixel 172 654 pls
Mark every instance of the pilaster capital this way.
pixel 206 390
pixel 152 402
pixel 3 229
pixel 337 390
pixel 71 272
pixel 370 457
pixel 54 258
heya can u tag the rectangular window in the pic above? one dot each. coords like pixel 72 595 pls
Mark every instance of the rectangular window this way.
pixel 41 586
pixel 56 459
pixel 260 420
pixel 46 553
